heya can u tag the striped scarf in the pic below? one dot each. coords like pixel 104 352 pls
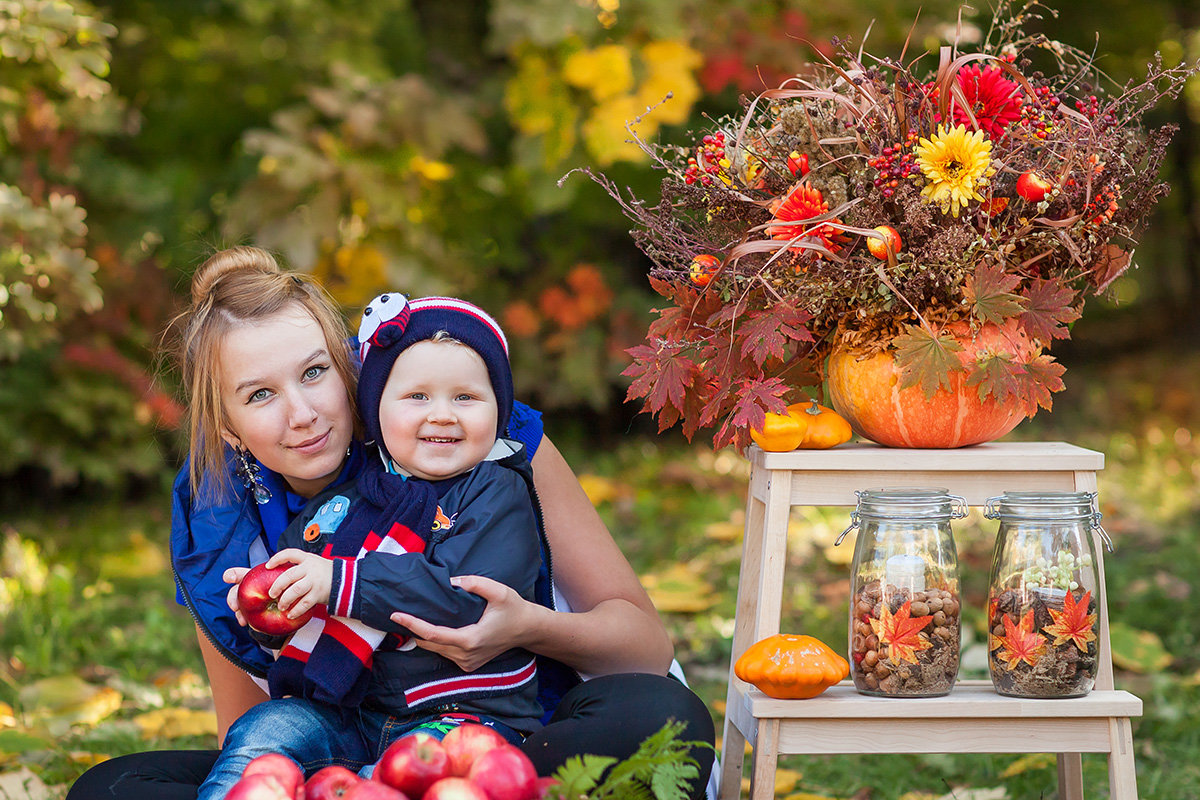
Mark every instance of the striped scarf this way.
pixel 329 659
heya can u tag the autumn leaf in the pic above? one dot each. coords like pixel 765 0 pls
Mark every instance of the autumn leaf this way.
pixel 998 375
pixel 1020 642
pixel 1043 376
pixel 989 290
pixel 1073 623
pixel 901 633
pixel 660 375
pixel 926 360
pixel 1048 310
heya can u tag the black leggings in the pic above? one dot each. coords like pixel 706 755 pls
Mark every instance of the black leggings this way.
pixel 608 716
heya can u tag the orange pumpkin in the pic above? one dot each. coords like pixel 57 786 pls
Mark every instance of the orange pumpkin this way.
pixel 791 667
pixel 866 391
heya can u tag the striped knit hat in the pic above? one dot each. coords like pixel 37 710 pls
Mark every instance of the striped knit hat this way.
pixel 391 323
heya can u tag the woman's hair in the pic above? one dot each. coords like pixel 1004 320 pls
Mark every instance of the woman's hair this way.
pixel 235 287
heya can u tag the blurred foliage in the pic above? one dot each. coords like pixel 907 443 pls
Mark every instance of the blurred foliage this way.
pixel 411 144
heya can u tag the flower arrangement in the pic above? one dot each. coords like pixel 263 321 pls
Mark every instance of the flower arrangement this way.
pixel 878 204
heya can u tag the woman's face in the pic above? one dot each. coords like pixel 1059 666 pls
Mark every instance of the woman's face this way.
pixel 284 401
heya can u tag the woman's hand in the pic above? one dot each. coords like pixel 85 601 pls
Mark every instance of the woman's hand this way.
pixel 304 585
pixel 503 625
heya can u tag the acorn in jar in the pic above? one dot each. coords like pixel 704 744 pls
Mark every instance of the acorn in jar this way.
pixel 905 611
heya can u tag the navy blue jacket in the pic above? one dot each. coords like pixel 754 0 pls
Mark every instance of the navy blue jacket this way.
pixel 488 526
pixel 209 537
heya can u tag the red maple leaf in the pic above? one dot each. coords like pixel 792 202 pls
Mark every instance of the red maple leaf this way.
pixel 901 633
pixel 990 291
pixel 1073 623
pixel 1048 310
pixel 1020 642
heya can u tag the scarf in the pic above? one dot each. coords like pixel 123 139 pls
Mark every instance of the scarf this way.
pixel 329 659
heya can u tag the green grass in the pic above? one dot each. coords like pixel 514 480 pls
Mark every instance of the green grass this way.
pixel 85 590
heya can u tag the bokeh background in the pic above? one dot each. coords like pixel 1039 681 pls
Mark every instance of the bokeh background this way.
pixel 428 146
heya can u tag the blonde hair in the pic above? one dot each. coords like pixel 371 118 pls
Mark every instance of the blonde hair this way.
pixel 234 287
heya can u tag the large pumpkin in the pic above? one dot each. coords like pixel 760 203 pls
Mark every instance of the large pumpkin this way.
pixel 866 391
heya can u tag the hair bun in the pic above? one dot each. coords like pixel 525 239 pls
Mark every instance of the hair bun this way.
pixel 233 259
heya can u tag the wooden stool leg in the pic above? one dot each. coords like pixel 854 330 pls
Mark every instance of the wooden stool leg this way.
pixel 733 760
pixel 1122 774
pixel 766 756
pixel 1070 776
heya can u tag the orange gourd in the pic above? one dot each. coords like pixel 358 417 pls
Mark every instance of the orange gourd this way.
pixel 780 433
pixel 790 666
pixel 866 391
pixel 824 427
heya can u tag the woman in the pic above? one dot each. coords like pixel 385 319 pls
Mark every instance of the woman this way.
pixel 272 423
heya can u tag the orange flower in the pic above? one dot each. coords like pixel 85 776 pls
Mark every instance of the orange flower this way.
pixel 803 202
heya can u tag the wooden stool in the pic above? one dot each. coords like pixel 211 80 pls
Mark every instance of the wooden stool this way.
pixel 972 718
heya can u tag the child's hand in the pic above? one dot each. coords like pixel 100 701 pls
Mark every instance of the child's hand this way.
pixel 305 585
pixel 234 575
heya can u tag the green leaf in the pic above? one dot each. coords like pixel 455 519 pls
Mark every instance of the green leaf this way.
pixel 996 374
pixel 659 770
pixel 926 360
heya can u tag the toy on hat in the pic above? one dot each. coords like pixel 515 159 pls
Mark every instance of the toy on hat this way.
pixel 391 323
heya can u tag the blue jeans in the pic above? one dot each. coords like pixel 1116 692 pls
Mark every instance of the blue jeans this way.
pixel 317 735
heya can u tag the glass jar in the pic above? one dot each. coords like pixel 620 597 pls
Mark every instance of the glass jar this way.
pixel 904 599
pixel 1043 613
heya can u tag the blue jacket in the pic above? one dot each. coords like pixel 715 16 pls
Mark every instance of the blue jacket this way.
pixel 207 538
pixel 487 525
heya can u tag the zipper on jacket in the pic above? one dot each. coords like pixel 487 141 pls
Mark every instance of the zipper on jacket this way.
pixel 225 652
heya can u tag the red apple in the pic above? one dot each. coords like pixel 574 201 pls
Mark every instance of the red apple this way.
pixel 260 609
pixel 544 785
pixel 280 767
pixel 412 764
pixel 330 783
pixel 505 773
pixel 454 789
pixel 702 269
pixel 374 790
pixel 468 742
pixel 1032 187
pixel 878 247
pixel 260 786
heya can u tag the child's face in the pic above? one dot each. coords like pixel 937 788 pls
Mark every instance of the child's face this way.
pixel 438 410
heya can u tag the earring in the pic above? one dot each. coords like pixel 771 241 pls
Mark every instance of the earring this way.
pixel 249 472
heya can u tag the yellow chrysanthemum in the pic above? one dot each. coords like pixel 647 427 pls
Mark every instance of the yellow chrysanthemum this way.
pixel 955 164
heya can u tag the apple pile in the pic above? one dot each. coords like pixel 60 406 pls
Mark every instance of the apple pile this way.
pixel 473 762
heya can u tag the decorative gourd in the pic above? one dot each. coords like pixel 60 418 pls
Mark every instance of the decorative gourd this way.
pixel 781 433
pixel 790 666
pixel 866 391
pixel 825 428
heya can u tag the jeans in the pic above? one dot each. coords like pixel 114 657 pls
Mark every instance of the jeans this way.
pixel 317 735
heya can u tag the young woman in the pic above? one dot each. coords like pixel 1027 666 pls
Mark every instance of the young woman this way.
pixel 271 384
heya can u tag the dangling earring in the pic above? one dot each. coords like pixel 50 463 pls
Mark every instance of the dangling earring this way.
pixel 249 472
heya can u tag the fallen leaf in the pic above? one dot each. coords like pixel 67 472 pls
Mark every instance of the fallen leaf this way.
pixel 1020 642
pixel 901 633
pixel 597 488
pixel 1073 623
pixel 1029 762
pixel 991 793
pixel 8 719
pixel 85 758
pixel 1137 650
pixel 54 705
pixel 678 589
pixel 173 723
pixel 23 785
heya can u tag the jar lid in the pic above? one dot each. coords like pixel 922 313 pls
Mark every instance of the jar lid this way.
pixel 906 502
pixel 1042 506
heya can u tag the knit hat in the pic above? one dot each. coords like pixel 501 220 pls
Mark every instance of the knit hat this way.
pixel 391 324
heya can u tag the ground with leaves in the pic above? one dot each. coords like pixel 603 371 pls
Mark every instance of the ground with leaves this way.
pixel 98 659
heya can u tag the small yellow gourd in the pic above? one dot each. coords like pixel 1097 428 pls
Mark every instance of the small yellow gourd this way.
pixel 790 666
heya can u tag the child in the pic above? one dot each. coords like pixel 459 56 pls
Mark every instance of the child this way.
pixel 449 497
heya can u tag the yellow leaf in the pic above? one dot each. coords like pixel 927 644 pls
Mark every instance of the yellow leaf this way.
pixel 430 170
pixel 684 91
pixel 606 71
pixel 84 758
pixel 808 796
pixel 173 723
pixel 140 558
pixel 605 134
pixel 56 704
pixel 597 488
pixel 1026 763
pixel 667 55
pixel 677 589
pixel 7 718
pixel 786 780
pixel 723 531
